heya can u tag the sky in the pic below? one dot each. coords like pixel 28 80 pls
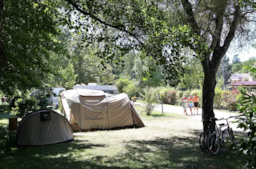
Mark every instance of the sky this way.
pixel 244 55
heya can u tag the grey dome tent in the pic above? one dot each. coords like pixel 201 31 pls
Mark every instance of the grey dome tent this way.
pixel 94 109
pixel 44 127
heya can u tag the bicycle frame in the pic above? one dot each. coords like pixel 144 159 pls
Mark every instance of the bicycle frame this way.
pixel 218 131
pixel 203 139
pixel 219 135
pixel 229 129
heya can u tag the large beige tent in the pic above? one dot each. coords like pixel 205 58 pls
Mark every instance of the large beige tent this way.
pixel 43 127
pixel 94 109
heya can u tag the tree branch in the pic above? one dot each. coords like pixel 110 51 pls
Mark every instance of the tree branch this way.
pixel 190 16
pixel 219 24
pixel 119 27
pixel 232 30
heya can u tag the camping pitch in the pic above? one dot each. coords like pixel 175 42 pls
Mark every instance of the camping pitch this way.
pixel 94 109
pixel 44 127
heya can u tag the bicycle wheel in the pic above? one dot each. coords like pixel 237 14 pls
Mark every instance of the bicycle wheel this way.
pixel 203 141
pixel 213 144
pixel 224 138
pixel 231 135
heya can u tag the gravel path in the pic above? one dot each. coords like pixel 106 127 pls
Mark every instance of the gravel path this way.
pixel 198 118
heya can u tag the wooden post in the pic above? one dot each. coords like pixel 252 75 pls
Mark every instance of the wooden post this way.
pixel 12 124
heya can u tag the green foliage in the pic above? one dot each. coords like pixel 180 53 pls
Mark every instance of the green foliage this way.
pixel 150 96
pixel 220 82
pixel 249 64
pixel 69 77
pixel 218 97
pixel 24 105
pixel 163 41
pixel 237 68
pixel 187 93
pixel 250 3
pixel 194 76
pixel 163 94
pixel 227 69
pixel 138 66
pixel 131 89
pixel 161 29
pixel 28 38
pixel 246 145
pixel 167 95
pixel 180 94
pixel 229 98
pixel 199 93
pixel 87 65
pixel 246 121
pixel 121 84
pixel 12 98
pixel 43 96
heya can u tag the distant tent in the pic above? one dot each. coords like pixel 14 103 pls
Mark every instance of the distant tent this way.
pixel 44 127
pixel 94 109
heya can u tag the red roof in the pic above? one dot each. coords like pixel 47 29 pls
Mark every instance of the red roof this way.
pixel 244 83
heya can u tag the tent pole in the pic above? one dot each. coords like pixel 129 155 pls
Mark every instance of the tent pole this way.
pixel 79 111
pixel 108 114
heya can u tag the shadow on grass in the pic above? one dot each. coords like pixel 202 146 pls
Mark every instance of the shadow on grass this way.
pixel 169 152
pixel 173 152
pixel 161 114
pixel 177 152
pixel 71 154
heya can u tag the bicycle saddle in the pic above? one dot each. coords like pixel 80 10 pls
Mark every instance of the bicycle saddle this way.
pixel 213 119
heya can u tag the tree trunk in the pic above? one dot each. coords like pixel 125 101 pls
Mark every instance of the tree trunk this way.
pixel 3 59
pixel 210 69
pixel 208 97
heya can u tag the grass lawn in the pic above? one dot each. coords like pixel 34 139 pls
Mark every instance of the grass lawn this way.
pixel 167 141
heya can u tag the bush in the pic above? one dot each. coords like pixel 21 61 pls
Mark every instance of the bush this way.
pixel 230 99
pixel 187 93
pixel 12 99
pixel 246 121
pixel 121 84
pixel 43 95
pixel 179 96
pixel 171 96
pixel 163 94
pixel 23 106
pixel 218 97
pixel 24 103
pixel 150 96
pixel 199 94
pixel 131 89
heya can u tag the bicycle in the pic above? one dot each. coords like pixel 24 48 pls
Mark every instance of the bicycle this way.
pixel 203 138
pixel 219 137
pixel 229 131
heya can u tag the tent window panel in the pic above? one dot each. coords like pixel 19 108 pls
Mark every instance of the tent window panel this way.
pixel 92 101
pixel 92 107
pixel 93 112
pixel 93 115
pixel 108 91
pixel 45 116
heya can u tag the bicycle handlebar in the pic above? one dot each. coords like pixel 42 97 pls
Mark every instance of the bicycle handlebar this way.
pixel 215 119
pixel 234 116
